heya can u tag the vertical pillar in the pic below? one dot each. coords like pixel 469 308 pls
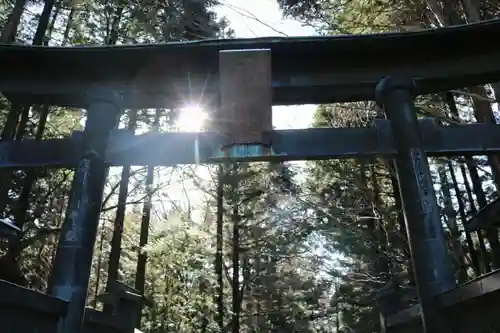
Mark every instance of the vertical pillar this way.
pixel 76 244
pixel 431 262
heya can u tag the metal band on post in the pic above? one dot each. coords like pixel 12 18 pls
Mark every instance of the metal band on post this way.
pixel 76 245
pixel 431 262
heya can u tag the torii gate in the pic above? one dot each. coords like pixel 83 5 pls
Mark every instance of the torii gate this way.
pixel 242 80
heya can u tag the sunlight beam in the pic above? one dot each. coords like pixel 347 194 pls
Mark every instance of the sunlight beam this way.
pixel 192 118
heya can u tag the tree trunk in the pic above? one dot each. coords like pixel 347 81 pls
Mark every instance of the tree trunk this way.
pixel 22 204
pixel 10 30
pixel 115 25
pixel 401 225
pixel 383 261
pixel 116 240
pixel 451 222
pixel 57 10
pixel 491 233
pixel 67 29
pixel 43 24
pixel 219 251
pixel 235 254
pixel 463 217
pixel 485 256
pixel 23 123
pixel 8 133
pixel 98 269
pixel 140 274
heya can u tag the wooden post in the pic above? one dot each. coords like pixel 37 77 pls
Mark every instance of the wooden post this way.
pixel 245 114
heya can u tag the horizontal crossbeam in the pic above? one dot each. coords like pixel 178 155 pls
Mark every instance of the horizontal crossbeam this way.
pixel 305 70
pixel 168 149
pixel 470 307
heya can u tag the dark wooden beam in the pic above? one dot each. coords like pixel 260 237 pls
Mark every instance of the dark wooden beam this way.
pixel 308 70
pixel 168 149
pixel 471 307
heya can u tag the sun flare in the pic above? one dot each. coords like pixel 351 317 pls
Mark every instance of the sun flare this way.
pixel 192 118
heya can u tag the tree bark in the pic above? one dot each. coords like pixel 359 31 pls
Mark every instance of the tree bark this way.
pixel 219 251
pixel 235 254
pixel 43 24
pixel 116 240
pixel 9 32
pixel 140 274
pixel 451 220
pixel 463 216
